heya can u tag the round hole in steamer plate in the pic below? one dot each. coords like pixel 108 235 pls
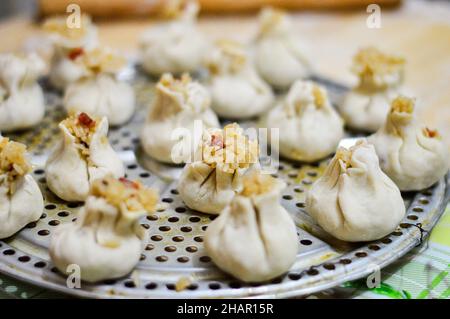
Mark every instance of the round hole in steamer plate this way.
pixel 397 233
pixel 54 222
pixel 31 225
pixel 130 284
pixel 214 286
pixel 212 217
pixel 109 282
pixel 287 197
pixel 164 228
pixel 9 252
pixel 178 239
pixel 173 219
pixel 183 259
pixel 156 238
pixel 294 276
pixel 144 175
pixel 170 286
pixel 191 249
pixel 44 215
pixel 329 266
pixel 39 172
pixel 312 174
pixel 412 217
pixel 235 285
pixel 73 205
pixel 152 217
pixel 149 247
pixel 146 226
pixel 306 182
pixel 174 191
pixel 151 286
pixel 43 232
pixel 143 257
pixel 312 272
pixel 167 200
pixel 205 259
pixel 345 261
pixel 361 254
pixel 374 247
pixel 186 229
pixel 306 242
pixel 424 201
pixel 180 209
pixel 298 190
pixel 405 225
pixel 194 219
pixel 418 209
pixel 300 205
pixel 386 240
pixel 204 228
pixel 50 206
pixel 40 264
pixel 198 239
pixel 162 258
pixel 170 249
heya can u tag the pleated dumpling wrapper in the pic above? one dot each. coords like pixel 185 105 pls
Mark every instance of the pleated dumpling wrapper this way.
pixel 69 43
pixel 99 92
pixel 309 127
pixel 354 200
pixel 170 132
pixel 380 75
pixel 174 46
pixel 280 57
pixel 22 102
pixel 413 156
pixel 82 156
pixel 237 91
pixel 106 240
pixel 254 238
pixel 21 200
pixel 225 157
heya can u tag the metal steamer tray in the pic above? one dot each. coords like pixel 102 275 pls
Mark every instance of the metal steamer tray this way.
pixel 174 263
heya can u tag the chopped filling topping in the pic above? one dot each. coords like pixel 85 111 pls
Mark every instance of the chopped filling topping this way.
pixel 75 53
pixel 82 127
pixel 270 18
pixel 229 149
pixel 102 60
pixel 431 133
pixel 319 96
pixel 257 184
pixel 125 195
pixel 370 62
pixel 13 161
pixel 230 57
pixel 344 156
pixel 402 104
pixel 58 25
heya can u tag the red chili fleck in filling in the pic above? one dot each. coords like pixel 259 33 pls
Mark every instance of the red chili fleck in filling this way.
pixel 75 53
pixel 216 140
pixel 85 120
pixel 129 183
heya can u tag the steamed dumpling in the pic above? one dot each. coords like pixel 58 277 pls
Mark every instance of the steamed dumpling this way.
pixel 413 156
pixel 380 80
pixel 175 46
pixel 309 127
pixel 21 200
pixel 210 182
pixel 279 56
pixel 69 44
pixel 354 200
pixel 106 240
pixel 99 93
pixel 21 98
pixel 180 104
pixel 82 156
pixel 237 91
pixel 254 238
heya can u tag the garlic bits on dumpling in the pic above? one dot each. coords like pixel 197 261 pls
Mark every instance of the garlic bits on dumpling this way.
pixel 169 134
pixel 99 92
pixel 176 45
pixel 106 241
pixel 21 200
pixel 412 155
pixel 210 182
pixel 254 239
pixel 354 200
pixel 280 57
pixel 82 156
pixel 380 80
pixel 22 102
pixel 237 91
pixel 69 43
pixel 309 127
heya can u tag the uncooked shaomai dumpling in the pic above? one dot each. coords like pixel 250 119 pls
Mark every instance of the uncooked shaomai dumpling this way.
pixel 106 241
pixel 254 238
pixel 237 91
pixel 413 156
pixel 279 55
pixel 309 127
pixel 354 200
pixel 82 156
pixel 175 46
pixel 210 183
pixel 380 80
pixel 169 134
pixel 21 200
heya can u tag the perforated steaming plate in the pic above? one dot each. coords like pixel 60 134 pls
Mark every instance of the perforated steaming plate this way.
pixel 174 263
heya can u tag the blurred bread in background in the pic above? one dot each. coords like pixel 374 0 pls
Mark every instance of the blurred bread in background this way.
pixel 131 8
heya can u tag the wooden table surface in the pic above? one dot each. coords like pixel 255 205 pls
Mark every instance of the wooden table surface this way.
pixel 419 31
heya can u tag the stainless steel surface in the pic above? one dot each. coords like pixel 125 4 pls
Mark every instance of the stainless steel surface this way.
pixel 174 263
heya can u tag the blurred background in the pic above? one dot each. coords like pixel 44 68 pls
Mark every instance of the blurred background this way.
pixel 333 30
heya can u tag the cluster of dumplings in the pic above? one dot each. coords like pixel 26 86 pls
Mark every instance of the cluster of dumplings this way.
pixel 357 199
